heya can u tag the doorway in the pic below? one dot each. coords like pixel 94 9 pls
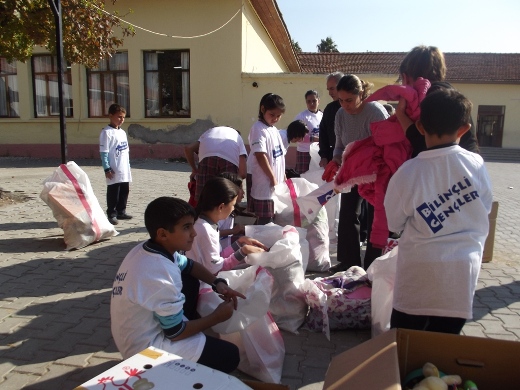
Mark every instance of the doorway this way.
pixel 490 125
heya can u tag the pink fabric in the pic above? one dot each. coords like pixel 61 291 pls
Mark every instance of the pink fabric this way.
pixel 370 163
pixel 230 261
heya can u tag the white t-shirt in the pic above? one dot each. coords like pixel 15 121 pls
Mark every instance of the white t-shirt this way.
pixel 224 142
pixel 145 283
pixel 226 224
pixel 440 200
pixel 114 142
pixel 312 121
pixel 265 139
pixel 206 247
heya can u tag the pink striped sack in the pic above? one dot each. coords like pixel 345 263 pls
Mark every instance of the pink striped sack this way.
pixel 74 205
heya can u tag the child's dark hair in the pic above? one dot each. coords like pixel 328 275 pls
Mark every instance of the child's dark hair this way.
pixel 296 129
pixel 165 212
pixel 444 112
pixel 115 108
pixel 216 191
pixel 352 84
pixel 233 177
pixel 270 101
pixel 424 61
pixel 312 92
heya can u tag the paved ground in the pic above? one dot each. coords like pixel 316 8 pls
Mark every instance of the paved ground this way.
pixel 54 304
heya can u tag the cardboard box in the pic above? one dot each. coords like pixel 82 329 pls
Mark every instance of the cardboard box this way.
pixel 490 240
pixel 157 369
pixel 383 361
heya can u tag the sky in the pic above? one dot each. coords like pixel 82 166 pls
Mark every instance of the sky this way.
pixel 470 26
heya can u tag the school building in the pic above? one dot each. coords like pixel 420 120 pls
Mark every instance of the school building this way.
pixel 193 65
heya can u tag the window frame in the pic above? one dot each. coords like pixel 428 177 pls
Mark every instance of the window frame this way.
pixel 161 108
pixel 114 73
pixel 12 98
pixel 48 79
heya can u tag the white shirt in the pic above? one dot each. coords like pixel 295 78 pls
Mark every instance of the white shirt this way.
pixel 224 142
pixel 146 283
pixel 265 139
pixel 114 142
pixel 206 246
pixel 440 200
pixel 312 121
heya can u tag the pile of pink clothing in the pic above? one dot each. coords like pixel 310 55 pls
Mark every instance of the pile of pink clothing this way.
pixel 370 163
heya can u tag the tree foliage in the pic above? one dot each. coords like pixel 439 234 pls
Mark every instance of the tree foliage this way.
pixel 296 46
pixel 327 46
pixel 88 33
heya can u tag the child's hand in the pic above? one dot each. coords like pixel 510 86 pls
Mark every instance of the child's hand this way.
pixel 228 294
pixel 109 175
pixel 224 311
pixel 248 249
pixel 251 241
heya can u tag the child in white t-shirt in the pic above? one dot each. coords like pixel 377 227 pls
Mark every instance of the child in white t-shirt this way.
pixel 440 200
pixel 216 203
pixel 148 301
pixel 312 119
pixel 115 158
pixel 266 162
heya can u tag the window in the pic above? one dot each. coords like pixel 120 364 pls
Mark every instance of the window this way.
pixel 45 87
pixel 8 89
pixel 167 83
pixel 108 84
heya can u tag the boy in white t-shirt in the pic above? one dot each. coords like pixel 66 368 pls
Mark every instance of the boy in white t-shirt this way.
pixel 115 158
pixel 147 303
pixel 440 200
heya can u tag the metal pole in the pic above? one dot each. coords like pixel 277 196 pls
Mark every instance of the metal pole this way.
pixel 56 10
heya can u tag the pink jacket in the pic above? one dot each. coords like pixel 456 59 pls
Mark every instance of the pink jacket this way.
pixel 370 163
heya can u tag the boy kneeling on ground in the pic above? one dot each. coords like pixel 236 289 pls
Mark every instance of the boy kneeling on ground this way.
pixel 146 307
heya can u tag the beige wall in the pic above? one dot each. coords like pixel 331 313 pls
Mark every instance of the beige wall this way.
pixel 259 55
pixel 223 67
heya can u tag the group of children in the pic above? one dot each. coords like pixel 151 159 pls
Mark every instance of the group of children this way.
pixel 439 200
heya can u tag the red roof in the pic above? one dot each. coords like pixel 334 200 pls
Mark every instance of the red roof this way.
pixel 500 68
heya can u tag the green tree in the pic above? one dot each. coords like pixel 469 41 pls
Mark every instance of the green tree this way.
pixel 88 32
pixel 296 46
pixel 327 46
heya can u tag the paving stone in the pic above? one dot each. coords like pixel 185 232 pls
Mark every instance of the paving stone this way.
pixel 60 299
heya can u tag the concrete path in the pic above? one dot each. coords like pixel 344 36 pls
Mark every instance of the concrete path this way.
pixel 54 304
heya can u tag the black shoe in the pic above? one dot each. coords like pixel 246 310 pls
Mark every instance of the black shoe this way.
pixel 113 220
pixel 124 216
pixel 340 267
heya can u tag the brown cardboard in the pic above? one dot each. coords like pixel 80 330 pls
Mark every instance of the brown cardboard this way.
pixel 490 240
pixel 380 363
pixel 255 385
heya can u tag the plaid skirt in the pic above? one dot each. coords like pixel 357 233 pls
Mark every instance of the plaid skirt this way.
pixel 210 167
pixel 263 208
pixel 303 160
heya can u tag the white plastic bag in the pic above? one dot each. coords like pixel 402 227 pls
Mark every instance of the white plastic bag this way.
pixel 74 205
pixel 255 283
pixel 251 327
pixel 262 349
pixel 284 262
pixel 382 274
pixel 288 212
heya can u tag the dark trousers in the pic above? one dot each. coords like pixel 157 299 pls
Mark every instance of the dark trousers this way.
pixel 117 197
pixel 429 323
pixel 220 355
pixel 349 251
